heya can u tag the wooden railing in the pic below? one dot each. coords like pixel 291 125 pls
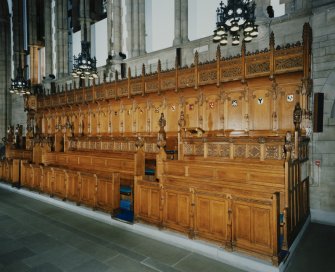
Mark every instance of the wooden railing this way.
pixel 220 148
pixel 269 62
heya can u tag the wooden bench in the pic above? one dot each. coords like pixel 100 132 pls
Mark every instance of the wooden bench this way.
pixel 96 191
pixel 247 204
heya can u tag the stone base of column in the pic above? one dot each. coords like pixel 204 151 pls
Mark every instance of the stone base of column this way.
pixel 176 41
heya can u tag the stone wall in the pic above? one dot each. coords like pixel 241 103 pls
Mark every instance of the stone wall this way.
pixel 323 144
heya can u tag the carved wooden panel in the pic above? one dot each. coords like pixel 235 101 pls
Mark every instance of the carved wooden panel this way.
pixel 207 76
pixel 212 107
pixel 147 202
pixel 73 186
pixel 48 180
pixel 122 89
pixel 100 92
pixel 156 110
pixel 252 226
pixel 231 70
pixel 37 177
pixel 260 110
pixel 136 87
pixel 168 82
pixel 108 192
pixel 115 116
pixel 234 106
pixel 177 209
pixel 88 189
pixel 211 217
pixel 59 183
pixel 258 65
pixel 142 117
pixel 172 115
pixel 288 97
pixel 186 79
pixel 151 85
pixel 192 112
pixel 27 177
pixel 128 118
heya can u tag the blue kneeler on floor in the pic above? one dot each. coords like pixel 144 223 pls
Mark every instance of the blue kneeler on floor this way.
pixel 125 212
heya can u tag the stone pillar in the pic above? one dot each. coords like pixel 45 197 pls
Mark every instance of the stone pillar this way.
pixel 184 21
pixel 87 20
pixel 142 27
pixel 48 38
pixel 15 111
pixel 129 20
pixel 117 26
pixel 109 26
pixel 82 19
pixel 177 22
pixel 135 13
pixel 260 11
pixel 61 38
pixel 32 23
pixel 88 31
pixel 5 69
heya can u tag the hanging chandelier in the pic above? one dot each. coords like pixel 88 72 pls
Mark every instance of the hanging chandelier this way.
pixel 83 65
pixel 20 85
pixel 235 17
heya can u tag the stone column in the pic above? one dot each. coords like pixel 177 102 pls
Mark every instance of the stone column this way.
pixel 117 26
pixel 184 21
pixel 87 20
pixel 5 69
pixel 48 38
pixel 61 38
pixel 142 27
pixel 109 26
pixel 135 13
pixel 129 21
pixel 177 22
pixel 82 19
pixel 260 11
pixel 32 14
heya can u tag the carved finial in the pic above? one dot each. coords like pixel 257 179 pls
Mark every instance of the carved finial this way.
pixel 272 40
pixel 162 121
pixel 288 145
pixel 139 142
pixel 161 137
pixel 218 53
pixel 196 57
pixel 297 116
pixel 143 69
pixel 159 66
pixel 182 121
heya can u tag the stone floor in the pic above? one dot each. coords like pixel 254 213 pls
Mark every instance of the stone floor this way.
pixel 36 236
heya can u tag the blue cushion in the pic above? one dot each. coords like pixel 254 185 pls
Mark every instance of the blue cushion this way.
pixel 149 171
pixel 125 204
pixel 125 190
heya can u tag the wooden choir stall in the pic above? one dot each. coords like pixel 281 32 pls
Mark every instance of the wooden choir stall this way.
pixel 217 151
